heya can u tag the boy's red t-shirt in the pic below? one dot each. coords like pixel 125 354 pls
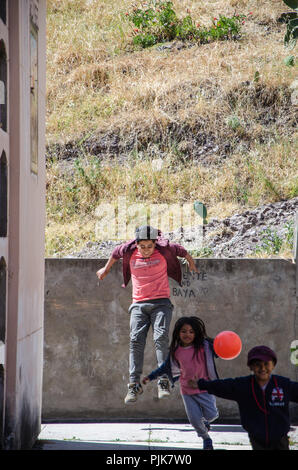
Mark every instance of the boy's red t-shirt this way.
pixel 149 277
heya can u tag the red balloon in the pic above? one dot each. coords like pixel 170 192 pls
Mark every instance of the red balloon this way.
pixel 227 345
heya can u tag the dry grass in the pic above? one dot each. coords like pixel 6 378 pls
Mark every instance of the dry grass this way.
pixel 93 83
pixel 267 174
pixel 165 103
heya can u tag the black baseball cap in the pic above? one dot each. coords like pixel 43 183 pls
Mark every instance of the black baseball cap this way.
pixel 145 232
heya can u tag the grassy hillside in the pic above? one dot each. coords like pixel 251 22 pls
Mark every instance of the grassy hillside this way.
pixel 218 116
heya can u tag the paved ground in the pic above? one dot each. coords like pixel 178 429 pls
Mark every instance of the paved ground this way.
pixel 142 436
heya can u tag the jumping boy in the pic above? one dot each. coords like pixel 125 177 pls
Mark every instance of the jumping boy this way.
pixel 263 399
pixel 148 261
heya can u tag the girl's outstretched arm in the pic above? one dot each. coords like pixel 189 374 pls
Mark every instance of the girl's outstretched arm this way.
pixel 164 369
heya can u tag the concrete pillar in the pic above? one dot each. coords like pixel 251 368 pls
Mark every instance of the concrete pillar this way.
pixel 24 245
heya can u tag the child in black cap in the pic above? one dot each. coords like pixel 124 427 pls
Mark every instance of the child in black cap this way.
pixel 263 399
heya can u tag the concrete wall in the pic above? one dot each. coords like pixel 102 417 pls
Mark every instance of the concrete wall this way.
pixel 87 332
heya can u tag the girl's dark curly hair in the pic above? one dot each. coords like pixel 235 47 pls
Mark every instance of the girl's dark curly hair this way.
pixel 199 329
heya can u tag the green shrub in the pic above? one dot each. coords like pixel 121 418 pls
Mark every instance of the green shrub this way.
pixel 291 19
pixel 157 22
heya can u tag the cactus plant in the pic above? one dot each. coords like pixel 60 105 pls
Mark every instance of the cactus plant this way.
pixel 201 209
pixel 291 19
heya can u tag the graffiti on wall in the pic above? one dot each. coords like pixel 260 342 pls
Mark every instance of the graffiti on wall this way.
pixel 193 285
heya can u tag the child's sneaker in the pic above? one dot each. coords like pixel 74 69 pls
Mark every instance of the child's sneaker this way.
pixel 207 444
pixel 134 389
pixel 163 388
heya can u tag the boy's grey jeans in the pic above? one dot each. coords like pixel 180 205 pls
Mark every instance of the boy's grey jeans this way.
pixel 158 314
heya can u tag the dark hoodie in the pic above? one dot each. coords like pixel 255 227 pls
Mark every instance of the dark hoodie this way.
pixel 264 414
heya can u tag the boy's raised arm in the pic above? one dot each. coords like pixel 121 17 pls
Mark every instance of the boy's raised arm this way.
pixel 223 388
pixel 183 253
pixel 101 273
pixel 191 263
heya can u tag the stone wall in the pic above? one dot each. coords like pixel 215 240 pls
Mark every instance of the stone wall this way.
pixel 87 332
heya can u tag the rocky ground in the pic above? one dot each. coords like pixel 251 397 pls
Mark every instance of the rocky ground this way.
pixel 252 231
pixel 263 229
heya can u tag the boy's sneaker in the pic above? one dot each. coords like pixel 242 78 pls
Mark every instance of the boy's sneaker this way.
pixel 207 424
pixel 163 388
pixel 134 389
pixel 207 444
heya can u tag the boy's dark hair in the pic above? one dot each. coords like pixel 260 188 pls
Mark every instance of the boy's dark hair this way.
pixel 199 329
pixel 145 232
